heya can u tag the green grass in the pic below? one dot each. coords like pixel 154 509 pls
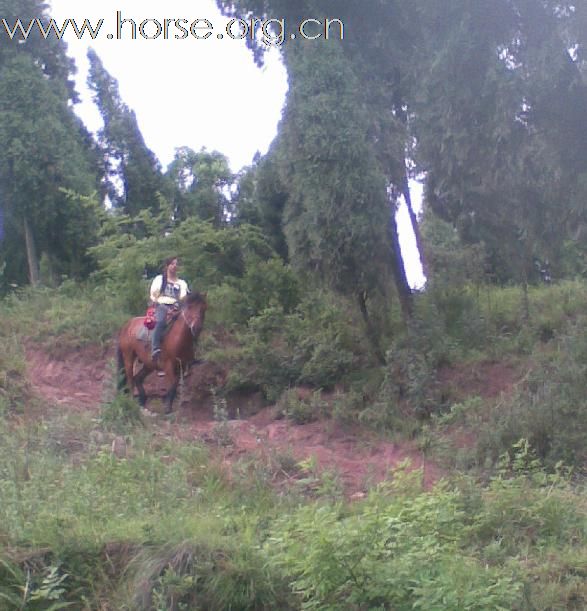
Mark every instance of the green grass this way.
pixel 183 531
pixel 165 525
pixel 65 318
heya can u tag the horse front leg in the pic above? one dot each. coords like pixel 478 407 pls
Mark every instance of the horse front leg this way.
pixel 173 381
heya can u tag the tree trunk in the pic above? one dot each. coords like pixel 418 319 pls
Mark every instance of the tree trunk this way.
pixel 415 226
pixel 399 271
pixel 372 334
pixel 31 254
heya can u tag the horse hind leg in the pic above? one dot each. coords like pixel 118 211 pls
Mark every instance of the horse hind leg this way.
pixel 121 377
pixel 139 379
pixel 127 377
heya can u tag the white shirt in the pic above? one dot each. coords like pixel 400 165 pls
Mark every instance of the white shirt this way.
pixel 174 290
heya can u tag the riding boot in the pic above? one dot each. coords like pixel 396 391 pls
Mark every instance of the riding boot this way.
pixel 160 316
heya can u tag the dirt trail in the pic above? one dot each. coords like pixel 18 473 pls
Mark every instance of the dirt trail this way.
pixel 355 458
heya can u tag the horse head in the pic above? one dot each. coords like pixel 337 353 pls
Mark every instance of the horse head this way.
pixel 193 311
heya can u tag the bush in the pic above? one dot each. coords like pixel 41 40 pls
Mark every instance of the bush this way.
pixel 209 257
pixel 120 414
pixel 302 409
pixel 75 314
pixel 454 547
pixel 318 344
pixel 550 409
pixel 400 551
pixel 264 285
pixel 197 576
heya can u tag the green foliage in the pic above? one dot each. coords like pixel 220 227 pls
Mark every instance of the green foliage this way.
pixel 302 409
pixel 317 344
pixel 236 262
pixel 397 550
pixel 261 198
pixel 549 409
pixel 38 589
pixel 221 433
pixel 121 413
pixel 197 576
pixel 163 513
pixel 409 391
pixel 14 387
pixel 162 527
pixel 48 175
pixel 461 548
pixel 264 285
pixel 131 174
pixel 77 314
pixel 451 263
pixel 200 183
pixel 337 213
pixel 504 188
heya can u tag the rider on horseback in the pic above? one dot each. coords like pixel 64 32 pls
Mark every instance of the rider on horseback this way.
pixel 167 290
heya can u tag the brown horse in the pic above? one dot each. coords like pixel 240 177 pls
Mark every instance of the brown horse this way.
pixel 177 349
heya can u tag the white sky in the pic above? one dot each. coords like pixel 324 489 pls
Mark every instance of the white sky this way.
pixel 185 92
pixel 190 92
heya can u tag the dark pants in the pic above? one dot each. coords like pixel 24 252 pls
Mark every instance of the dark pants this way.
pixel 160 317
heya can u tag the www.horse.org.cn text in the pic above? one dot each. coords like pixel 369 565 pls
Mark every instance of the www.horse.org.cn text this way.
pixel 271 32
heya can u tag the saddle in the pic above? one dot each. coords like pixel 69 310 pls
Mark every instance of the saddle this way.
pixel 145 331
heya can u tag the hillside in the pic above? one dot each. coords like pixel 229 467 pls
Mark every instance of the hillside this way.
pixel 436 482
pixel 357 458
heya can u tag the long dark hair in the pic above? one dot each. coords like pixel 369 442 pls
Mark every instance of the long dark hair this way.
pixel 164 267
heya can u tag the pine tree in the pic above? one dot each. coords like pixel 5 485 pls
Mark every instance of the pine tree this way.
pixel 132 178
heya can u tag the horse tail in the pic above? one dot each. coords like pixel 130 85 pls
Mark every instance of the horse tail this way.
pixel 121 380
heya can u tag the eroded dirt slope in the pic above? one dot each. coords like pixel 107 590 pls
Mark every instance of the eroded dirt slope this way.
pixel 81 381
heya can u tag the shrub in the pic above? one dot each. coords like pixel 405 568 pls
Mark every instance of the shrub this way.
pixel 401 551
pixel 302 409
pixel 318 344
pixel 200 576
pixel 120 414
pixel 550 409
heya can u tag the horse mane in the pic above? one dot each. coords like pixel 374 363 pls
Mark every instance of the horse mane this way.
pixel 195 297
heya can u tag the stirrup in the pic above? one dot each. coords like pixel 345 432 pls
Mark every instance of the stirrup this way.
pixel 155 356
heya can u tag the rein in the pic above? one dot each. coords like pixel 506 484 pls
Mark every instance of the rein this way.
pixel 189 325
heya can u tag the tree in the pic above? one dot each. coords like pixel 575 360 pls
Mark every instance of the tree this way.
pixel 49 53
pixel 48 167
pixel 336 219
pixel 500 126
pixel 132 178
pixel 201 183
pixel 261 197
pixel 377 52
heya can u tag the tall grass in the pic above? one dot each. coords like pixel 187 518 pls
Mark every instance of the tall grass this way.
pixel 165 526
pixel 108 514
pixel 68 317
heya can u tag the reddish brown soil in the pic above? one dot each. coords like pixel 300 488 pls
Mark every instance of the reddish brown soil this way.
pixel 487 380
pixel 355 459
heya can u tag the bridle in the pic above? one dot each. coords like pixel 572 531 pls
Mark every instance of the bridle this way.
pixel 192 324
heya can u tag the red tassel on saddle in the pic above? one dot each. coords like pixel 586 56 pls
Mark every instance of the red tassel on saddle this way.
pixel 150 318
